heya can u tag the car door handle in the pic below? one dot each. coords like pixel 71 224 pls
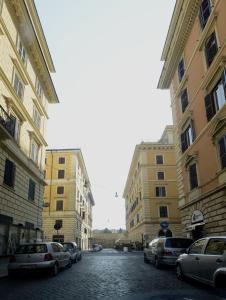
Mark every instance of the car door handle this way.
pixel 197 258
pixel 219 260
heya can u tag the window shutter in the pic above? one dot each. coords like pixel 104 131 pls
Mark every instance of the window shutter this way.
pixel 193 130
pixel 157 191
pixel 210 107
pixel 184 145
pixel 223 77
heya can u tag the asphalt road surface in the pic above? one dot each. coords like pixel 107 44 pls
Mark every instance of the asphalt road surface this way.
pixel 108 275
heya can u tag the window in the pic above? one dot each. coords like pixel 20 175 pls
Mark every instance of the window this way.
pixel 85 230
pixel 216 247
pixel 83 215
pixel 217 97
pixel 61 160
pixel 222 150
pixel 132 224
pixel 181 69
pixel 18 86
pixel 159 159
pixel 138 218
pixel 60 189
pixel 204 12
pixel 184 100
pixel 9 174
pixel 211 48
pixel 22 52
pixel 193 176
pixel 39 89
pixel 163 212
pixel 31 190
pixel 196 248
pixel 160 175
pixel 160 191
pixel 45 160
pixel 57 248
pixel 44 174
pixel 59 205
pixel 61 174
pixel 187 136
pixel 15 127
pixel 34 151
pixel 36 117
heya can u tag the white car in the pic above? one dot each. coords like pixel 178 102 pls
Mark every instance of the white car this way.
pixel 34 256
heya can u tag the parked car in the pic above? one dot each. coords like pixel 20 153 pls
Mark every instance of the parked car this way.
pixel 74 251
pixel 97 247
pixel 205 261
pixel 165 250
pixel 51 256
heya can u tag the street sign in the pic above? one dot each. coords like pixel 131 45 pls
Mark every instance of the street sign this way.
pixel 57 226
pixel 164 224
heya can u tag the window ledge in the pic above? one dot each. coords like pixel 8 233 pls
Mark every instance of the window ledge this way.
pixel 181 85
pixel 194 194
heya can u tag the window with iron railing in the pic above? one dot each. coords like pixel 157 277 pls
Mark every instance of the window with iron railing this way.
pixel 204 12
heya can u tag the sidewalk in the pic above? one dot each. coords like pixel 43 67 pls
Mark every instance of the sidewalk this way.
pixel 4 266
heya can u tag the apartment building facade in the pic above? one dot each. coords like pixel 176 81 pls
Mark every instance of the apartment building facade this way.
pixel 151 194
pixel 68 199
pixel 194 58
pixel 26 89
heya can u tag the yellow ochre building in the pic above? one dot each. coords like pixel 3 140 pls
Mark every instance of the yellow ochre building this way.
pixel 26 89
pixel 68 199
pixel 151 194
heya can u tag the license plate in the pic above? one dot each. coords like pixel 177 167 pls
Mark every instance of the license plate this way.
pixel 28 266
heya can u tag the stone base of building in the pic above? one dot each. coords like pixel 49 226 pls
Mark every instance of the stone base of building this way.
pixel 205 216
pixel 12 235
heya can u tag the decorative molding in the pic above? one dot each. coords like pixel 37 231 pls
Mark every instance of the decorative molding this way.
pixel 11 105
pixel 22 18
pixel 19 70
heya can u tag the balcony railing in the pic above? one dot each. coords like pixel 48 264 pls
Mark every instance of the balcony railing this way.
pixel 7 122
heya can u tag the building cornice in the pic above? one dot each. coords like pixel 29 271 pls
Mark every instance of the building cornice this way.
pixel 181 24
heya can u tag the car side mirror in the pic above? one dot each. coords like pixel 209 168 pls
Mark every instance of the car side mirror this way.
pixel 187 250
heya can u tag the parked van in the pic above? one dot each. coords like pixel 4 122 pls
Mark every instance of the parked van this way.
pixel 165 250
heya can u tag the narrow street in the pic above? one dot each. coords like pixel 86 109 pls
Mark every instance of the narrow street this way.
pixel 108 275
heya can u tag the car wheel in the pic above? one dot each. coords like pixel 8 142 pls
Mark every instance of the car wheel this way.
pixel 69 265
pixel 157 264
pixel 55 270
pixel 179 272
pixel 145 259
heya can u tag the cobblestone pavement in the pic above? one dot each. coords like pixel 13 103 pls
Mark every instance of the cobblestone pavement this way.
pixel 108 275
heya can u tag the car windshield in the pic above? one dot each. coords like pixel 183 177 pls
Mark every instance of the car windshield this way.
pixel 28 249
pixel 67 246
pixel 178 243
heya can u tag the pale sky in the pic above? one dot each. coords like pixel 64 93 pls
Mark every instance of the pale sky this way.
pixel 107 58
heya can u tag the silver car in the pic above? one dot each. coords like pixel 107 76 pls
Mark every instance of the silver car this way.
pixel 205 261
pixel 165 250
pixel 51 256
pixel 74 251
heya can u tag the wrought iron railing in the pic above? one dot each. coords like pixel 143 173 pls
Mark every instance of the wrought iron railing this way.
pixel 7 122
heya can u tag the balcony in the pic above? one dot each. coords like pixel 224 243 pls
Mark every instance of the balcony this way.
pixel 7 128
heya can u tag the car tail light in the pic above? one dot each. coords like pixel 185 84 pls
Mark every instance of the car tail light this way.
pixel 12 258
pixel 48 257
pixel 167 253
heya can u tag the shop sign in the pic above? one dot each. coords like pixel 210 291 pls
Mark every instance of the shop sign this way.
pixel 197 216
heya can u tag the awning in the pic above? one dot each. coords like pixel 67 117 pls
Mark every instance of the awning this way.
pixel 193 226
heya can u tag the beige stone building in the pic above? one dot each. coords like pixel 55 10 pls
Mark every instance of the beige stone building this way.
pixel 194 70
pixel 68 198
pixel 26 89
pixel 151 194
